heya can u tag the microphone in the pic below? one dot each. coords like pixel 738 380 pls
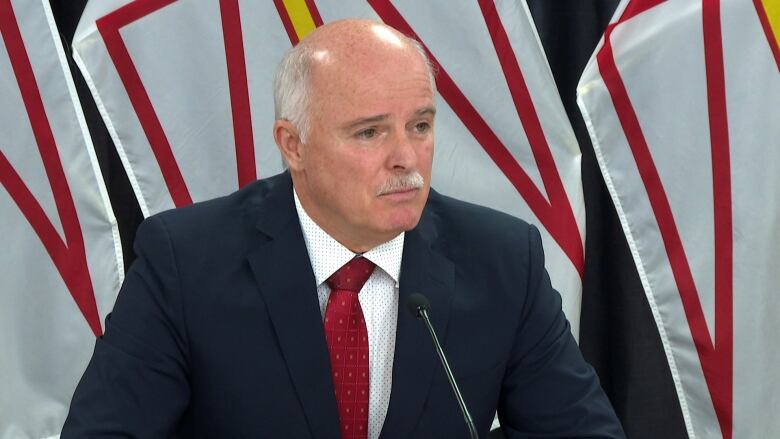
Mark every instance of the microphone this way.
pixel 419 306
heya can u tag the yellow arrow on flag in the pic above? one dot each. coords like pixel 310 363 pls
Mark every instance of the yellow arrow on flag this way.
pixel 769 13
pixel 303 16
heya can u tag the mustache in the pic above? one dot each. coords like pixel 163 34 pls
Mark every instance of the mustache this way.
pixel 401 183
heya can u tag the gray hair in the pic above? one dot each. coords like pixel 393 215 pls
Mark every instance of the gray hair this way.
pixel 291 84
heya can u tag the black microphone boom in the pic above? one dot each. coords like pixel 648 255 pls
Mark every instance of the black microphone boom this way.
pixel 419 305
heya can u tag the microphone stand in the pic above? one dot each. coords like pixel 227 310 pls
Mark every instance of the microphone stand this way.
pixel 422 312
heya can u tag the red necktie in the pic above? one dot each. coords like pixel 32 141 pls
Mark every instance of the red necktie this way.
pixel 347 337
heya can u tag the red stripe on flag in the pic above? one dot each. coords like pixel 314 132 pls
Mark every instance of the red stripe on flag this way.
pixel 239 92
pixel 286 21
pixel 571 241
pixel 109 26
pixel 636 7
pixel 70 259
pixel 560 225
pixel 715 359
pixel 33 212
pixel 770 36
pixel 315 13
pixel 723 367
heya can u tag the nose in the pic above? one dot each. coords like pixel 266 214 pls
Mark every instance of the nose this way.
pixel 403 156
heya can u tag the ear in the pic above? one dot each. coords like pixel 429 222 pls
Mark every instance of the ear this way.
pixel 289 143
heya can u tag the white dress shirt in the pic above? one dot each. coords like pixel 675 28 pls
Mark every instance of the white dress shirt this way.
pixel 378 299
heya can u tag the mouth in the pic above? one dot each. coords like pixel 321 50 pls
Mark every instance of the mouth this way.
pixel 399 195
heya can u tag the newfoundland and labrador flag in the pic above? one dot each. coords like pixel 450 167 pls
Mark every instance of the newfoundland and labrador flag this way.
pixel 184 87
pixel 682 102
pixel 61 262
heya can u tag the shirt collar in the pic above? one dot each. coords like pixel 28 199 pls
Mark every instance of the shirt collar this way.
pixel 328 255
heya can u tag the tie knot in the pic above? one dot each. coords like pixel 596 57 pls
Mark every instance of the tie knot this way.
pixel 352 275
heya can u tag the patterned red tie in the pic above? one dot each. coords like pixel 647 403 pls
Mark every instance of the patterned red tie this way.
pixel 347 337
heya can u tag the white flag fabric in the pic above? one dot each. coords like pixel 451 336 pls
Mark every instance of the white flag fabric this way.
pixel 681 100
pixel 61 263
pixel 184 87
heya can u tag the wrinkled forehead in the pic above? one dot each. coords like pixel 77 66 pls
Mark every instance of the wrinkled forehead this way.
pixel 372 74
pixel 361 65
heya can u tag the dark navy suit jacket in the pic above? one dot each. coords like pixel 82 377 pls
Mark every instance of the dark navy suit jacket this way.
pixel 217 332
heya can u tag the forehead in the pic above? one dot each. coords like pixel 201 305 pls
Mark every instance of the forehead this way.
pixel 386 76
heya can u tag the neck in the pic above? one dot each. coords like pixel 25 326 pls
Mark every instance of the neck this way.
pixel 345 234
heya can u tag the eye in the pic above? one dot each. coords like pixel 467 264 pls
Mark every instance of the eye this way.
pixel 368 133
pixel 422 127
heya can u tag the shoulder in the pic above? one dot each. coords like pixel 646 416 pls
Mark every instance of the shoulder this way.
pixel 252 196
pixel 225 219
pixel 482 242
pixel 470 223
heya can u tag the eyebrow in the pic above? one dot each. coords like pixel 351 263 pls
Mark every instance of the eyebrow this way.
pixel 382 117
pixel 426 111
pixel 365 121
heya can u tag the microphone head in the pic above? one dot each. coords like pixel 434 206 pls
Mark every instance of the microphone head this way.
pixel 416 302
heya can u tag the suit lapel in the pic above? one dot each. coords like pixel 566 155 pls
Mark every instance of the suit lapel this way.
pixel 281 265
pixel 415 362
pixel 283 272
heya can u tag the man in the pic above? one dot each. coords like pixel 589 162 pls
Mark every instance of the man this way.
pixel 240 317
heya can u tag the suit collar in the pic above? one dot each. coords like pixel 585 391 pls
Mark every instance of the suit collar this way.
pixel 271 208
pixel 328 255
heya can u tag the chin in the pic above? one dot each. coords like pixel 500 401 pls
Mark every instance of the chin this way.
pixel 405 221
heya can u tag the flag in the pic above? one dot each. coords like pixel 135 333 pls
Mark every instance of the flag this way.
pixel 184 88
pixel 61 263
pixel 680 99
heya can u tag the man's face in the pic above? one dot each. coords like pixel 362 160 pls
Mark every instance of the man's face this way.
pixel 371 133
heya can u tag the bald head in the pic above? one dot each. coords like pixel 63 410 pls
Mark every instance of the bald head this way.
pixel 355 107
pixel 330 52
